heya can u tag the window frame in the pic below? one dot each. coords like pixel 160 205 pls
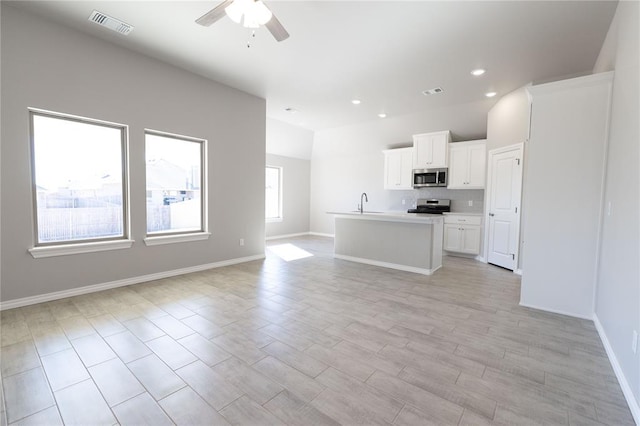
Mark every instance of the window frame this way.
pixel 59 248
pixel 280 216
pixel 180 236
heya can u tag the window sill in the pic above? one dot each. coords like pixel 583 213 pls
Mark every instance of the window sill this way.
pixel 180 238
pixel 79 248
pixel 273 219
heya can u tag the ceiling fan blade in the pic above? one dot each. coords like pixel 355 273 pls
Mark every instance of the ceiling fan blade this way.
pixel 214 14
pixel 276 29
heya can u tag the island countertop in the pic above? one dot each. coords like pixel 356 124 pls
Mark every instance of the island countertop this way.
pixel 392 216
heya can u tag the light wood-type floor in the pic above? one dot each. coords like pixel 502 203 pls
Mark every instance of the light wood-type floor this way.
pixel 313 341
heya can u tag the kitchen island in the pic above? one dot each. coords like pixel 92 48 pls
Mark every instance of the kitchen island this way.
pixel 405 241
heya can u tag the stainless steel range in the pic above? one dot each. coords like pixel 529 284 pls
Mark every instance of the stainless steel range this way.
pixel 431 206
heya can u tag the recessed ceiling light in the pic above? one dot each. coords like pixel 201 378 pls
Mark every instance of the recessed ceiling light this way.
pixel 478 72
pixel 382 115
pixel 490 94
pixel 355 101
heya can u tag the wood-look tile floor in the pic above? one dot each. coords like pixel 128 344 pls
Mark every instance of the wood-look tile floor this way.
pixel 313 341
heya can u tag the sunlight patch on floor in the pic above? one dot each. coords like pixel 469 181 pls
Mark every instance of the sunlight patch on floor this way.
pixel 289 252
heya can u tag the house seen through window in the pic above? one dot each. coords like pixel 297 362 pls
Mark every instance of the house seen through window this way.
pixel 175 183
pixel 79 179
pixel 273 194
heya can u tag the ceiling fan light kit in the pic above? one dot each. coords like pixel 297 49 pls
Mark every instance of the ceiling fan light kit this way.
pixel 251 13
pixel 255 13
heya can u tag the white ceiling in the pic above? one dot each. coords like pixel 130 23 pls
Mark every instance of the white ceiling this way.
pixel 382 52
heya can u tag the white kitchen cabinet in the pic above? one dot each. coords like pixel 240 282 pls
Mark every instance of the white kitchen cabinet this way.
pixel 431 150
pixel 398 168
pixel 462 233
pixel 467 164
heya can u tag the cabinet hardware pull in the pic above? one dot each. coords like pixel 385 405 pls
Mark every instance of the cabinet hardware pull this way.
pixel 491 214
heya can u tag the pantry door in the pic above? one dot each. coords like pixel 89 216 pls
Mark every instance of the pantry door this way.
pixel 504 199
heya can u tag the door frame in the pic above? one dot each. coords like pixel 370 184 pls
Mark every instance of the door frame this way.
pixel 519 146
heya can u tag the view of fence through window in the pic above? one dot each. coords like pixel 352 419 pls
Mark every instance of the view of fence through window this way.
pixel 78 179
pixel 174 181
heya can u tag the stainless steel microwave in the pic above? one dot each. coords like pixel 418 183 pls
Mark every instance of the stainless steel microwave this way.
pixel 429 177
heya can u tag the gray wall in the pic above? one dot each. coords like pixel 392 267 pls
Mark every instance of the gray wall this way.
pixel 347 161
pixel 568 137
pixel 295 196
pixel 48 66
pixel 618 284
pixel 508 124
pixel 508 120
pixel 287 140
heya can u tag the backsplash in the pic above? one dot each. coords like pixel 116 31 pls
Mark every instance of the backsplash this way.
pixel 459 198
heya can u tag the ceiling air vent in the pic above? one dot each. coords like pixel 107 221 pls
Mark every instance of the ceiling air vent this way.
pixel 433 91
pixel 112 23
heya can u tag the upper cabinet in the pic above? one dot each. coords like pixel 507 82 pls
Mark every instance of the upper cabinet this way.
pixel 398 165
pixel 431 150
pixel 467 164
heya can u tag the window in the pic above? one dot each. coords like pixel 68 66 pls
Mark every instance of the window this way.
pixel 79 181
pixel 273 194
pixel 175 184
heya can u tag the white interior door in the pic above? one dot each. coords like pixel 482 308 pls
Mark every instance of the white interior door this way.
pixel 505 188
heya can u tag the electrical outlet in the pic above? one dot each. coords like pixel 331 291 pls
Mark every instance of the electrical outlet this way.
pixel 404 201
pixel 470 203
pixel 241 241
pixel 609 209
pixel 634 342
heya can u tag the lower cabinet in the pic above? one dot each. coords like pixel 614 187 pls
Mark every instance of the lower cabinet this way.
pixel 462 234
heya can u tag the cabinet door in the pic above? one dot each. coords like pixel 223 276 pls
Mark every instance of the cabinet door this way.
pixel 398 168
pixel 422 151
pixel 393 168
pixel 470 240
pixel 458 167
pixel 477 165
pixel 439 148
pixel 406 169
pixel 452 237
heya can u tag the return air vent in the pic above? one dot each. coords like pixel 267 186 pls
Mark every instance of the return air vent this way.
pixel 433 91
pixel 112 23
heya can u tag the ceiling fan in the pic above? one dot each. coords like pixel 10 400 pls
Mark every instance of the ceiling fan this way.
pixel 252 14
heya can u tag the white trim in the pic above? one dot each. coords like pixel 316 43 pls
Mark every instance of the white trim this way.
pixel 17 303
pixel 585 81
pixel 518 271
pixel 556 311
pixel 399 267
pixel 273 220
pixel 622 380
pixel 277 237
pixel 322 234
pixel 178 238
pixel 89 247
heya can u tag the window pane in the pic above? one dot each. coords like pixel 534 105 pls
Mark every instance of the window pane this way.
pixel 78 179
pixel 273 193
pixel 173 184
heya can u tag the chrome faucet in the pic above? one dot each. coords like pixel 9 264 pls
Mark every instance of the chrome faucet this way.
pixel 361 206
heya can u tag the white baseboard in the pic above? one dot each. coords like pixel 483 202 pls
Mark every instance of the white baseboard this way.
pixel 17 303
pixel 406 268
pixel 556 311
pixel 320 234
pixel 517 272
pixel 278 237
pixel 622 380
